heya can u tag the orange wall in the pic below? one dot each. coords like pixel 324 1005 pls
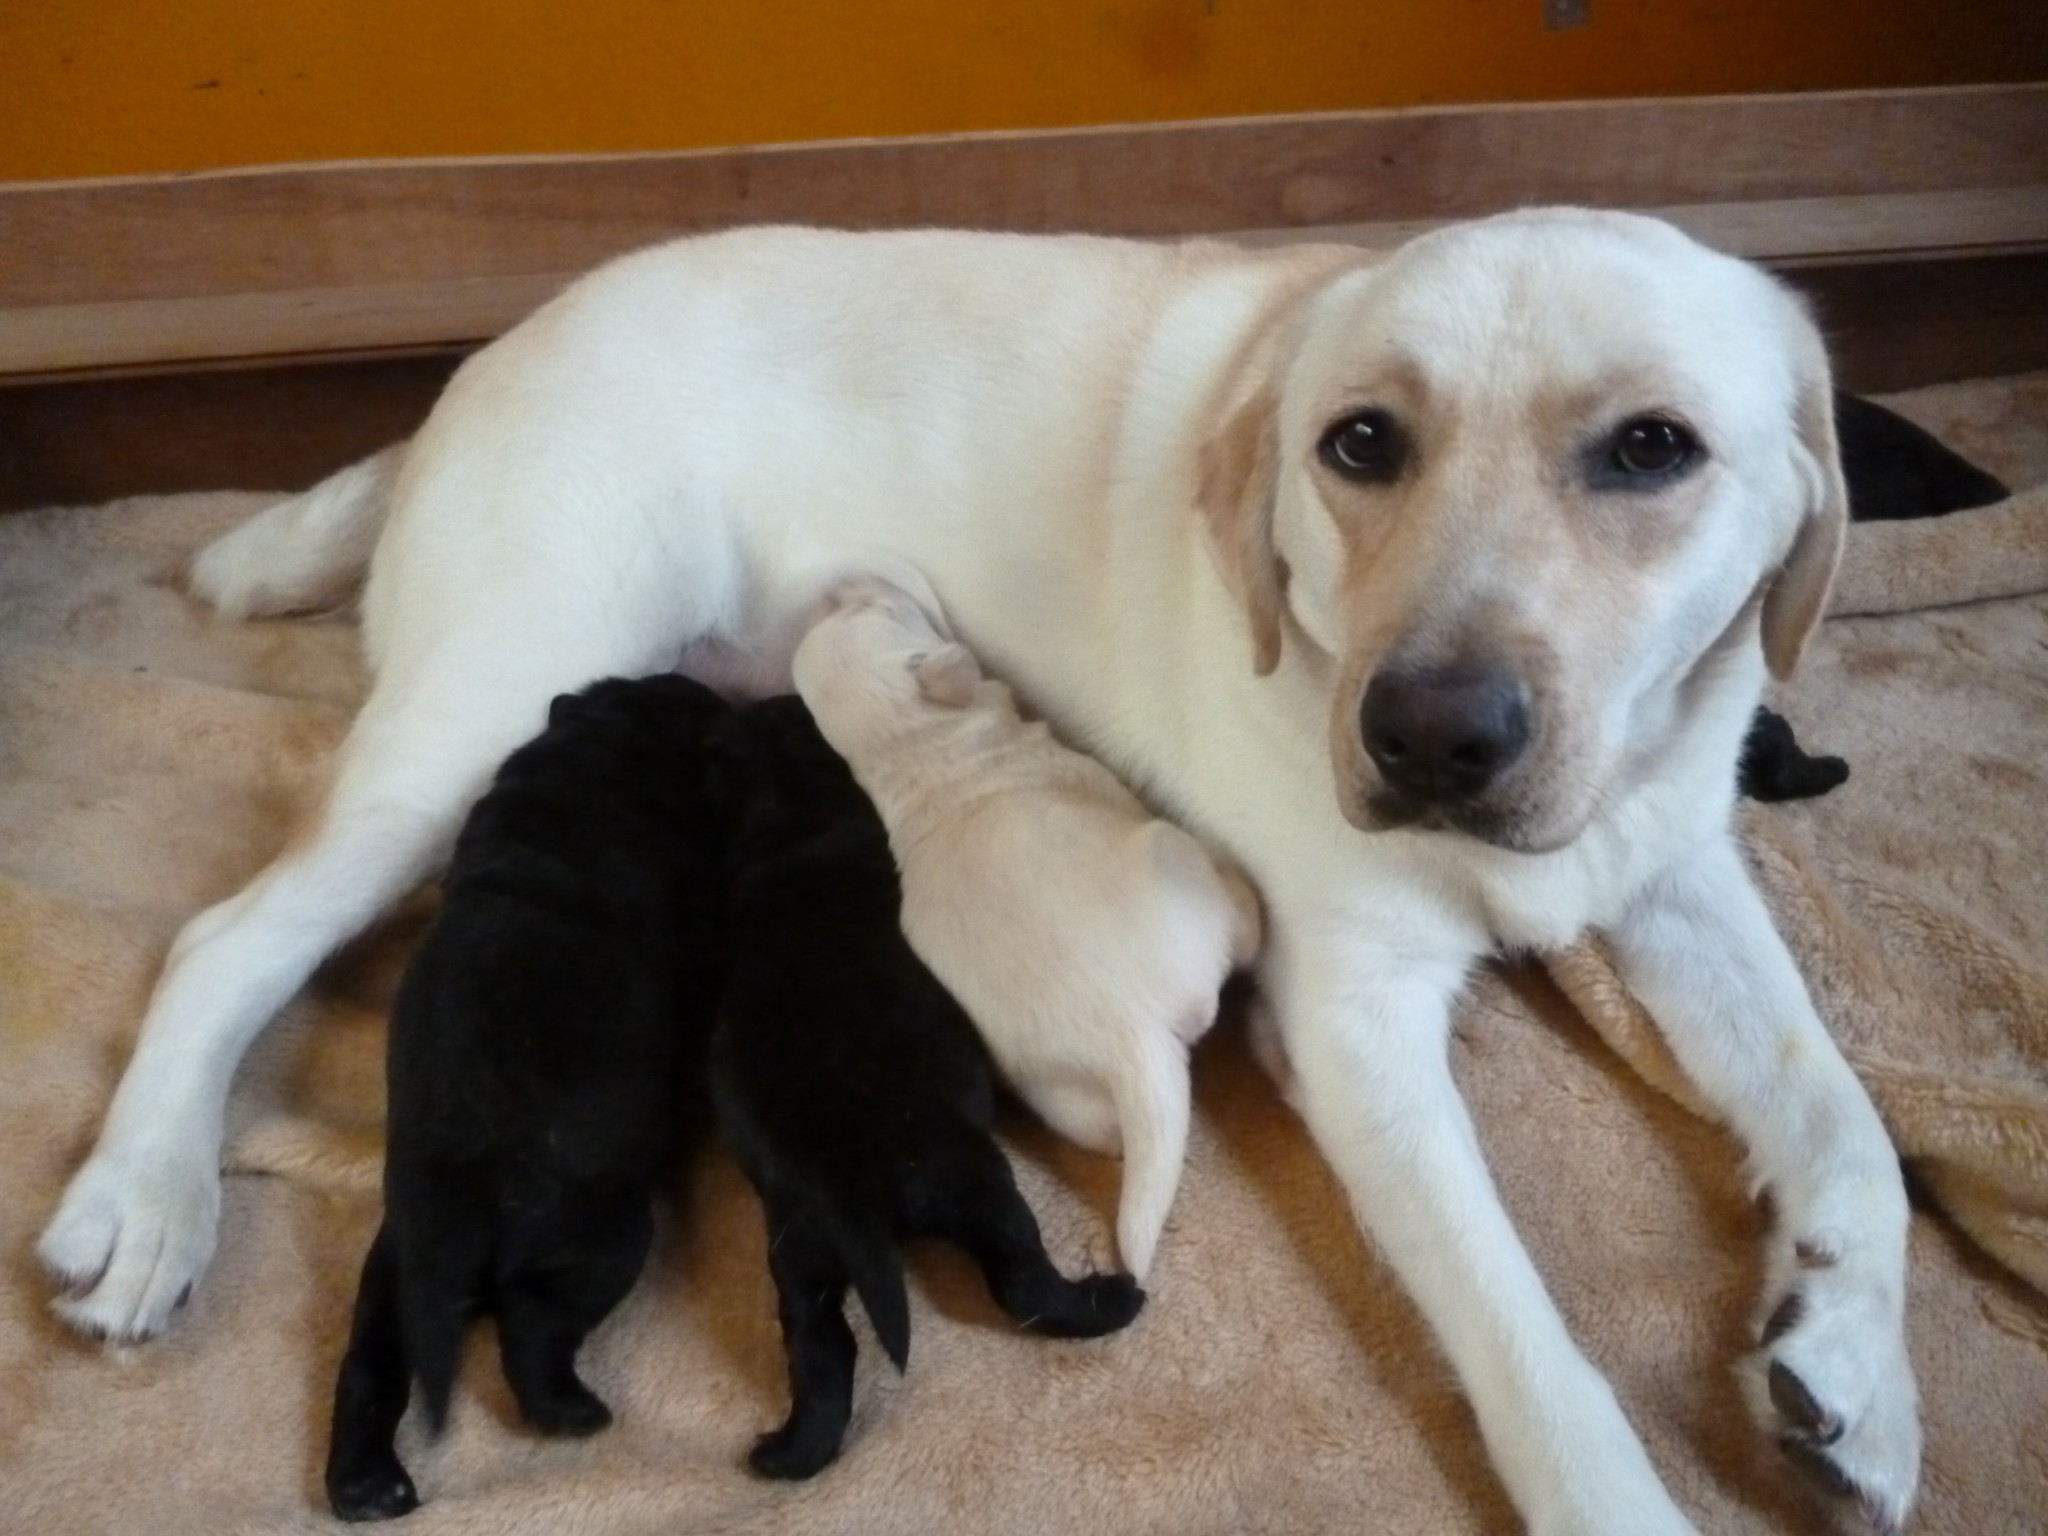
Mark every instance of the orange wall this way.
pixel 108 87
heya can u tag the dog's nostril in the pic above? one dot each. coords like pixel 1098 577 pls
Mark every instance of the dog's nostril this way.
pixel 1478 755
pixel 1386 747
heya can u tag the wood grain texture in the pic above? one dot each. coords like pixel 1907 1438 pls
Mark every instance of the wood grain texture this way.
pixel 349 225
pixel 58 338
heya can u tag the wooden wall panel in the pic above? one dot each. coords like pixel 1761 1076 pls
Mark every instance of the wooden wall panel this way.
pixel 344 225
pixel 1919 219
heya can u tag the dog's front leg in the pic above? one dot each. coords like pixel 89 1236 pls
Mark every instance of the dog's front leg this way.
pixel 1365 1030
pixel 1832 1381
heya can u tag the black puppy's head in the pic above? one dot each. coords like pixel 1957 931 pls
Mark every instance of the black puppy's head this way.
pixel 669 703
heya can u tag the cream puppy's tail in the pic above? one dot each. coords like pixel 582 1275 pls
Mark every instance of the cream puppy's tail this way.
pixel 1152 1108
pixel 306 552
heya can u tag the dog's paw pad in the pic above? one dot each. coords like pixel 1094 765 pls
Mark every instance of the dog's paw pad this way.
pixel 1800 1409
pixel 1815 1253
pixel 1787 1315
pixel 1834 1388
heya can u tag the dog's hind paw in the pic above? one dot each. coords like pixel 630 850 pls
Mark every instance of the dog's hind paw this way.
pixel 790 1454
pixel 572 1411
pixel 1833 1387
pixel 382 1494
pixel 129 1241
pixel 1090 1307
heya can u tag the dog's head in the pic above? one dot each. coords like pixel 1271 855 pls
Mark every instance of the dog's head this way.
pixel 1522 482
pixel 877 652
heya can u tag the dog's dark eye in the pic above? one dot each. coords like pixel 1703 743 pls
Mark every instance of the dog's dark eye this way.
pixel 1651 446
pixel 1367 446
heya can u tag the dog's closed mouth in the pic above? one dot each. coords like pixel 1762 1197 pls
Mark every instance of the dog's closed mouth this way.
pixel 1392 811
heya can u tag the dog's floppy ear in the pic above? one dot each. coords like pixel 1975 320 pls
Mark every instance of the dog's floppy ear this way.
pixel 1796 596
pixel 1236 492
pixel 947 676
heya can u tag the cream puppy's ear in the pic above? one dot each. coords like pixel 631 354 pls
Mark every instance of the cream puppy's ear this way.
pixel 1236 492
pixel 947 676
pixel 1797 595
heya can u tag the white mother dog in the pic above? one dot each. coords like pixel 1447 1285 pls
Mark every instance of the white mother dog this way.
pixel 1436 589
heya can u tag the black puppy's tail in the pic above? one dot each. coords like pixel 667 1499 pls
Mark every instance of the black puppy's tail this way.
pixel 866 1241
pixel 444 1275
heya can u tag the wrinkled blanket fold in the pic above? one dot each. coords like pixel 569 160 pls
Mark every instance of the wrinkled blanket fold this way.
pixel 152 757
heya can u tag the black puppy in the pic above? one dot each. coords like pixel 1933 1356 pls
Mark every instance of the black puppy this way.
pixel 1893 470
pixel 853 1089
pixel 543 1049
pixel 1775 767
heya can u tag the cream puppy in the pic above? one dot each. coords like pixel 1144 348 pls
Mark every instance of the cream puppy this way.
pixel 1087 939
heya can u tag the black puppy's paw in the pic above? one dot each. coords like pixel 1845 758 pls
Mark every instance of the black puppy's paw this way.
pixel 791 1454
pixel 1090 1307
pixel 1774 767
pixel 572 1411
pixel 377 1493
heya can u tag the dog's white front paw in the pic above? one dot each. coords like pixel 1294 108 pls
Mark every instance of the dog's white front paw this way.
pixel 1832 1382
pixel 131 1237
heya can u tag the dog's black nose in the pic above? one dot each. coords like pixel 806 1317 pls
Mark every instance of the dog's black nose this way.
pixel 1444 735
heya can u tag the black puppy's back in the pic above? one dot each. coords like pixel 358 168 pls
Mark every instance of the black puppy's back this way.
pixel 544 1045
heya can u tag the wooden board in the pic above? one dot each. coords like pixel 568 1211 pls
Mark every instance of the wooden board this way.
pixel 56 338
pixel 322 227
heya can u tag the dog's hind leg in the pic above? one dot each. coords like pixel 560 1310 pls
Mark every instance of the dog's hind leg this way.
pixel 967 1193
pixel 137 1225
pixel 365 1479
pixel 810 1283
pixel 546 1310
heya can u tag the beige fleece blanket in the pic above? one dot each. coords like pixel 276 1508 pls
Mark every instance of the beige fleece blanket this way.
pixel 150 758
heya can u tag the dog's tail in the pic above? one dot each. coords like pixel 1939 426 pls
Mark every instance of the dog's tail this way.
pixel 867 1247
pixel 1152 1108
pixel 304 553
pixel 440 1278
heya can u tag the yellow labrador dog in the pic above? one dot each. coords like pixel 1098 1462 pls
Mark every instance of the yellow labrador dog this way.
pixel 1087 939
pixel 1435 589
